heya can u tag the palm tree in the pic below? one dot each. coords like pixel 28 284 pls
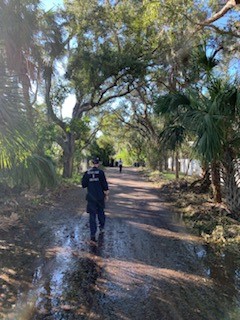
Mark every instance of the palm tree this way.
pixel 214 120
pixel 170 106
pixel 218 136
pixel 191 113
pixel 20 160
pixel 19 26
pixel 226 97
pixel 20 164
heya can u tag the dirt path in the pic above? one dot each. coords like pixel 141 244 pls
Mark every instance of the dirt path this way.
pixel 145 266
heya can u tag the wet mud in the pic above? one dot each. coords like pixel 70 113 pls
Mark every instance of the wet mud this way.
pixel 145 265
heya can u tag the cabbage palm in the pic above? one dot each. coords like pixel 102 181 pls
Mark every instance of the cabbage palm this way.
pixel 19 26
pixel 214 120
pixel 190 113
pixel 20 161
pixel 172 137
pixel 227 99
pixel 174 131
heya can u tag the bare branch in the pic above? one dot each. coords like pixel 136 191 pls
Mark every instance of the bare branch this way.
pixel 228 6
pixel 79 108
pixel 208 22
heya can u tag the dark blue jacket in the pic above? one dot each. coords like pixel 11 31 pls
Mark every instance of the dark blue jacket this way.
pixel 95 181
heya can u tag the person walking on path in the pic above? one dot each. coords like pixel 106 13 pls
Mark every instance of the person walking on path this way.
pixel 120 165
pixel 97 191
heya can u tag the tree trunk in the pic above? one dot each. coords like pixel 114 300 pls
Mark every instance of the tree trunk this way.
pixel 177 164
pixel 204 182
pixel 232 191
pixel 160 164
pixel 68 156
pixel 166 163
pixel 216 181
pixel 26 96
pixel 172 162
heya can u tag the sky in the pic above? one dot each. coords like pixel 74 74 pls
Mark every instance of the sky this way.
pixel 51 4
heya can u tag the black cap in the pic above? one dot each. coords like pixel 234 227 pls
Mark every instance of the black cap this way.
pixel 95 160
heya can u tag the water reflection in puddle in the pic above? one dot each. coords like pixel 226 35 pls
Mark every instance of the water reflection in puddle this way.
pixel 225 271
pixel 51 293
pixel 223 268
pixel 47 298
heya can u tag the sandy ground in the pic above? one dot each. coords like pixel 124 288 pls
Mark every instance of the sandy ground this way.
pixel 145 266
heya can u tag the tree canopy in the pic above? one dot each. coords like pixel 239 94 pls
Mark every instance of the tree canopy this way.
pixel 118 58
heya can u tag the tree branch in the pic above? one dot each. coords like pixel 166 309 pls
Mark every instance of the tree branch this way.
pixel 48 80
pixel 79 108
pixel 218 30
pixel 228 6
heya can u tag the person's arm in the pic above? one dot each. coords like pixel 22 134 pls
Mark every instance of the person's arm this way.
pixel 106 195
pixel 85 180
pixel 104 182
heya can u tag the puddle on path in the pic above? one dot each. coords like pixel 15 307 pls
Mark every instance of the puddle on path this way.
pixel 223 269
pixel 64 284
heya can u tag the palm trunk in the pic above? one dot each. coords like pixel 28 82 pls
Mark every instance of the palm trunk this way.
pixel 172 162
pixel 177 165
pixel 26 96
pixel 216 181
pixel 204 182
pixel 232 191
pixel 160 164
pixel 165 163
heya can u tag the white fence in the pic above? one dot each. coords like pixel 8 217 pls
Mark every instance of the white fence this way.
pixel 187 166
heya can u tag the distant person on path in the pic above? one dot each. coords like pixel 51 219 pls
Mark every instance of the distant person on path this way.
pixel 112 162
pixel 120 165
pixel 97 191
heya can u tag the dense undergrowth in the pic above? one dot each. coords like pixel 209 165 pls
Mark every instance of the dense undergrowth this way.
pixel 201 215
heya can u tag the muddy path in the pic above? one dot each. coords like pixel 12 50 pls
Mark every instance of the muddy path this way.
pixel 145 266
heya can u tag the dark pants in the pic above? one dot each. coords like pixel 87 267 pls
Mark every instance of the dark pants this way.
pixel 120 168
pixel 96 209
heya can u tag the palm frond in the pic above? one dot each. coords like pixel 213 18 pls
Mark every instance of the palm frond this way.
pixel 34 170
pixel 173 136
pixel 210 136
pixel 169 104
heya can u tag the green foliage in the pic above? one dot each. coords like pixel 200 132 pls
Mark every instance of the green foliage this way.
pixel 102 148
pixel 171 104
pixel 211 117
pixel 34 170
pixel 59 93
pixel 111 43
pixel 89 70
pixel 125 156
pixel 19 24
pixel 75 179
pixel 80 127
pixel 15 134
pixel 173 136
